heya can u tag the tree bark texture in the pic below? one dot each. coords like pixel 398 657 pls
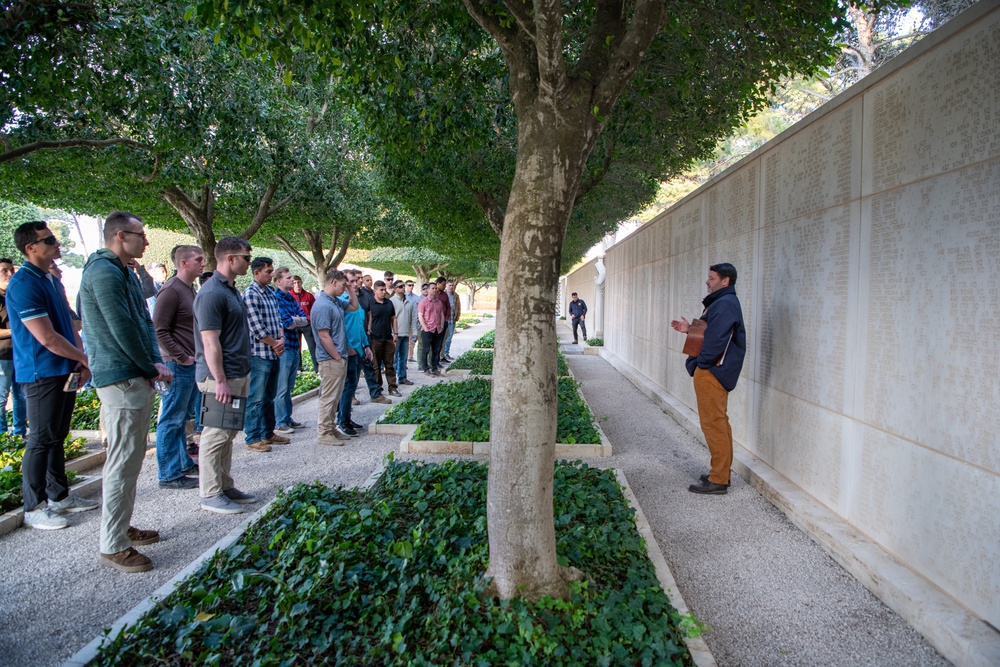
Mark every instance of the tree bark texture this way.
pixel 199 215
pixel 523 418
pixel 561 112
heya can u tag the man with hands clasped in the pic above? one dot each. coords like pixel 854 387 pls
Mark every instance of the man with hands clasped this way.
pixel 125 362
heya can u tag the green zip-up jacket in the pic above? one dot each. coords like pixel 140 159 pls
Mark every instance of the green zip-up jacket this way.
pixel 118 332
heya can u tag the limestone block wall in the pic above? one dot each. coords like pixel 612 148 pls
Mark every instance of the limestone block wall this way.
pixel 867 238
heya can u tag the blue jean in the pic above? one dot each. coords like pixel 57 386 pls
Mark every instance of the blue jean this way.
pixel 259 421
pixel 399 362
pixel 171 438
pixel 447 340
pixel 288 368
pixel 7 385
pixel 350 386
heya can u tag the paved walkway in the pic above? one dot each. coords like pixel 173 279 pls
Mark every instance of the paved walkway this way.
pixel 769 594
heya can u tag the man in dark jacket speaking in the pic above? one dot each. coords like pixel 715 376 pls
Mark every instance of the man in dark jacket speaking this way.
pixel 715 371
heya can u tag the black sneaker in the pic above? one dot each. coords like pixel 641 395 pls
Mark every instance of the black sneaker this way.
pixel 355 425
pixel 709 488
pixel 183 482
pixel 704 478
pixel 347 430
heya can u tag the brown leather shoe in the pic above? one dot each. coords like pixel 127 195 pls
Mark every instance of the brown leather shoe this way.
pixel 330 441
pixel 260 446
pixel 141 537
pixel 381 399
pixel 277 440
pixel 355 401
pixel 128 560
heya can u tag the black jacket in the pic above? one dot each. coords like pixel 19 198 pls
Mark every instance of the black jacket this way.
pixel 725 320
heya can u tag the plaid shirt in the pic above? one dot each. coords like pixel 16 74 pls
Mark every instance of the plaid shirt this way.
pixel 264 319
pixel 288 307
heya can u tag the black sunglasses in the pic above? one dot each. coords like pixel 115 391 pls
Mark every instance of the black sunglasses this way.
pixel 48 240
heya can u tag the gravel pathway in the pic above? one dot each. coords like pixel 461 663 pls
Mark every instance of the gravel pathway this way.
pixel 55 598
pixel 769 595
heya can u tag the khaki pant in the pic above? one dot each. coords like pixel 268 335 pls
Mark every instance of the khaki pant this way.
pixel 215 451
pixel 127 407
pixel 331 384
pixel 712 402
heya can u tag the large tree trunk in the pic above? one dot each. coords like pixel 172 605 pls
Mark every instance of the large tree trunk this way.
pixel 199 215
pixel 523 416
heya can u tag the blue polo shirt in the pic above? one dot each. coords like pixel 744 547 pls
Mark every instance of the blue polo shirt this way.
pixel 33 293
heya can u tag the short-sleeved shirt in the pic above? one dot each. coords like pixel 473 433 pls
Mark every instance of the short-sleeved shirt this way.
pixel 33 293
pixel 328 313
pixel 218 307
pixel 432 311
pixel 354 321
pixel 381 323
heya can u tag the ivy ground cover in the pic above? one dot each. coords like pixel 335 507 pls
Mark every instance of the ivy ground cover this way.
pixel 393 576
pixel 460 411
pixel 486 340
pixel 480 362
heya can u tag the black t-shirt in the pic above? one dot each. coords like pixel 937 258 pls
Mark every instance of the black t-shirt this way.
pixel 382 314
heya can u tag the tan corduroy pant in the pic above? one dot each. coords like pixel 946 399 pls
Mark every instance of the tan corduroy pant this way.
pixel 712 402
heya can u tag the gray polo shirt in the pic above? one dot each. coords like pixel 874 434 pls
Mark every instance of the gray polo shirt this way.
pixel 328 313
pixel 219 307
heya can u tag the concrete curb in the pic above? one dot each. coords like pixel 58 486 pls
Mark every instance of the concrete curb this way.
pixel 14 519
pixel 701 655
pixel 959 635
pixel 305 396
pixel 87 461
pixel 85 655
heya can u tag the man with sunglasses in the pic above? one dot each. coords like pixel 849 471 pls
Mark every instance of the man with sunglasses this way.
pixel 222 358
pixel 125 362
pixel 46 352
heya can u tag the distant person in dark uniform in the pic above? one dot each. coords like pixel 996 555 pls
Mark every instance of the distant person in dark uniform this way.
pixel 578 315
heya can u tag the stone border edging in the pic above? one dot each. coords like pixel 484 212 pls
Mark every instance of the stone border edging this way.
pixel 701 655
pixel 87 461
pixel 14 519
pixel 86 654
pixel 305 396
pixel 959 635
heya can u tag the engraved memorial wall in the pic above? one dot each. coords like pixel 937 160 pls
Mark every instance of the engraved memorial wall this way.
pixel 868 244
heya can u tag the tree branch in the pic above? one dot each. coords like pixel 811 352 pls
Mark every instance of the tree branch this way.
pixel 522 14
pixel 648 18
pixel 287 246
pixel 12 154
pixel 596 177
pixel 262 214
pixel 156 170
pixel 344 245
pixel 479 10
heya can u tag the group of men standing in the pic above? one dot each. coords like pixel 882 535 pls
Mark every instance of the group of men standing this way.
pixel 214 342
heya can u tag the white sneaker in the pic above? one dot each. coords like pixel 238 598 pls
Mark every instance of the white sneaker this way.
pixel 72 503
pixel 45 519
pixel 221 504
